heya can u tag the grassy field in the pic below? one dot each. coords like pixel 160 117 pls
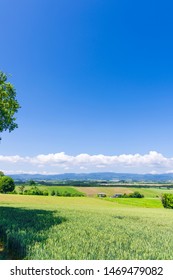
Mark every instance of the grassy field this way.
pixel 34 227
pixel 109 191
pixel 62 191
pixel 136 202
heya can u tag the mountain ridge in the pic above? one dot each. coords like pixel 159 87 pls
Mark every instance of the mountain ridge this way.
pixel 108 176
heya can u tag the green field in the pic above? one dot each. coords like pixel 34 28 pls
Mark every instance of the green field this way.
pixel 109 191
pixel 37 227
pixel 62 191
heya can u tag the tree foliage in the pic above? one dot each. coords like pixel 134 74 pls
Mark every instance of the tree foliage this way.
pixel 8 104
pixel 167 200
pixel 6 184
pixel 1 173
pixel 32 183
pixel 135 194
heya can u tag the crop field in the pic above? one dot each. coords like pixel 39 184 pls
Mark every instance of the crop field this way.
pixel 77 228
pixel 109 191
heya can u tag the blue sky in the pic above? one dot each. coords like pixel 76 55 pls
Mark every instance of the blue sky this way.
pixel 93 77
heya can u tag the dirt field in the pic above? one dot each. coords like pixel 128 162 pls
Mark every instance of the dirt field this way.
pixel 93 191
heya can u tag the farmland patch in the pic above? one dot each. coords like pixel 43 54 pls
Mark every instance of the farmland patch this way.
pixel 22 228
pixel 75 228
pixel 93 191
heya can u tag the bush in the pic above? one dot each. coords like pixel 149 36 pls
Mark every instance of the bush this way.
pixel 136 195
pixel 14 192
pixel 132 195
pixel 6 184
pixel 66 193
pixel 167 200
pixel 124 195
pixel 36 191
pixel 52 193
pixel 45 193
pixel 21 189
pixel 57 193
pixel 33 191
pixel 32 183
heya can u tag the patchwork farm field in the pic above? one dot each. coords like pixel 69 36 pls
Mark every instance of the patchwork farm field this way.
pixel 77 228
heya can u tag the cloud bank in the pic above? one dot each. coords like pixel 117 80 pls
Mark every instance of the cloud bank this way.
pixel 153 162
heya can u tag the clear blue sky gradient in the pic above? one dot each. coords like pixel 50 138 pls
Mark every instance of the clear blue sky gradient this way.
pixel 92 76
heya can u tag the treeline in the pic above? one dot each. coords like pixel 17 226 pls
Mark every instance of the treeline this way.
pixel 36 191
pixel 61 183
pixel 88 183
pixel 132 195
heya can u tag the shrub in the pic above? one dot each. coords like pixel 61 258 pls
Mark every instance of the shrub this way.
pixel 33 191
pixel 167 200
pixel 136 195
pixel 21 189
pixel 36 191
pixel 57 193
pixel 124 195
pixel 45 193
pixel 132 195
pixel 66 193
pixel 52 193
pixel 32 183
pixel 6 184
pixel 13 192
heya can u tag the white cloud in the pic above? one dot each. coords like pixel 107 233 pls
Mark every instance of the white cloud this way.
pixel 12 159
pixel 82 168
pixel 52 158
pixel 28 172
pixel 59 162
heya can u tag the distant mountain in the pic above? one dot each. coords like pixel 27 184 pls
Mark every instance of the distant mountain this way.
pixel 107 176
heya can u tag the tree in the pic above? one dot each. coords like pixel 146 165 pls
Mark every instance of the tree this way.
pixel 167 200
pixel 8 104
pixel 1 173
pixel 6 184
pixel 136 194
pixel 21 189
pixel 32 183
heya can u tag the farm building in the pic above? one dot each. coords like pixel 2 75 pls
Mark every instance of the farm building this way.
pixel 116 195
pixel 101 195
